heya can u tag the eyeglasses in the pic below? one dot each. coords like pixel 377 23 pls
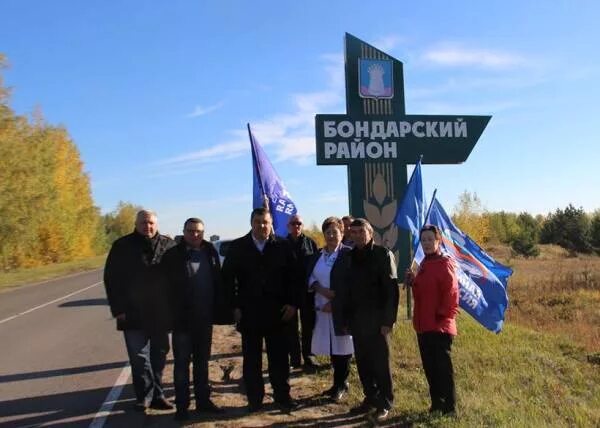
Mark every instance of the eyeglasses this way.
pixel 296 223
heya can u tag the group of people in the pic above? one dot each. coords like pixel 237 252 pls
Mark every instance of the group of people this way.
pixel 345 296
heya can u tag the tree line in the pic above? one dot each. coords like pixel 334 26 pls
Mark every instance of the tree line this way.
pixel 571 228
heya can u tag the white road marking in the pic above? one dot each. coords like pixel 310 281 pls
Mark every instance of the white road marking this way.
pixel 111 398
pixel 49 303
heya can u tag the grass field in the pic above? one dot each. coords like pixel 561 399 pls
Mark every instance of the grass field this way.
pixel 43 273
pixel 541 370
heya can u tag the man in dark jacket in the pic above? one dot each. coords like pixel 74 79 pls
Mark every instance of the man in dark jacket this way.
pixel 371 305
pixel 198 300
pixel 303 247
pixel 137 296
pixel 261 273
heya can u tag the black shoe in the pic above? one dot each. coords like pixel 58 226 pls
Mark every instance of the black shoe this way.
pixel 309 363
pixel 310 368
pixel 208 407
pixel 382 413
pixel 288 405
pixel 339 393
pixel 255 407
pixel 139 407
pixel 182 415
pixel 161 403
pixel 364 407
pixel 450 413
pixel 295 363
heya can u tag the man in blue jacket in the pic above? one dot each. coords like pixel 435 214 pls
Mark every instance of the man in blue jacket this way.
pixel 198 300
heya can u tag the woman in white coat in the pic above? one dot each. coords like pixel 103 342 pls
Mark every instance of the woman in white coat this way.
pixel 326 278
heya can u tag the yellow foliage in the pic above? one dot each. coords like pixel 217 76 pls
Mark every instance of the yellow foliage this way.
pixel 47 214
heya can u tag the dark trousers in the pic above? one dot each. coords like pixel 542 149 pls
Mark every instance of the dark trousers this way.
pixel 187 347
pixel 277 357
pixel 299 343
pixel 147 356
pixel 341 370
pixel 373 363
pixel 437 364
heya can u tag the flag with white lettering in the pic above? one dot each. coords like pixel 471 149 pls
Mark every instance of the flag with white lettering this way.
pixel 411 212
pixel 482 280
pixel 268 189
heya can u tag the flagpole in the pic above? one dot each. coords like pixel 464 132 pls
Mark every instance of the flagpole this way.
pixel 408 290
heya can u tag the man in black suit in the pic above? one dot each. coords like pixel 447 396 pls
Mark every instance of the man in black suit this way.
pixel 261 272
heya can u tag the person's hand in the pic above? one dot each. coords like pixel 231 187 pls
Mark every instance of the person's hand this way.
pixel 288 312
pixel 120 317
pixel 409 277
pixel 237 315
pixel 326 308
pixel 315 286
pixel 385 330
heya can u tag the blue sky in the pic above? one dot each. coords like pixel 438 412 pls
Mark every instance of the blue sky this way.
pixel 156 96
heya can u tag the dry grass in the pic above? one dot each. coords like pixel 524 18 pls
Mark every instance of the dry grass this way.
pixel 556 294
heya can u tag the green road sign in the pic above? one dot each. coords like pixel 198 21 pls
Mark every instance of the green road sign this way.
pixel 376 139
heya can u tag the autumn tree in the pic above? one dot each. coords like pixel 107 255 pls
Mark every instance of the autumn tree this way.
pixel 120 221
pixel 470 216
pixel 315 233
pixel 47 214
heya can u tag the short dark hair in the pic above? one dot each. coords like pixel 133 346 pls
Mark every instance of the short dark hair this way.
pixel 431 228
pixel 362 222
pixel 332 221
pixel 259 211
pixel 194 220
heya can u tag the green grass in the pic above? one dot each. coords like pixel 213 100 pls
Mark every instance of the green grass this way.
pixel 519 378
pixel 42 273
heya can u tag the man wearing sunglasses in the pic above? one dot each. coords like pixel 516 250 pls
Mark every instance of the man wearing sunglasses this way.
pixel 303 247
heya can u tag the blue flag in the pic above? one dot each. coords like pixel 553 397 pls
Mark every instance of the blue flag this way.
pixel 268 189
pixel 482 280
pixel 411 212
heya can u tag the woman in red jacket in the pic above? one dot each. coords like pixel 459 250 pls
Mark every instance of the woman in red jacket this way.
pixel 435 292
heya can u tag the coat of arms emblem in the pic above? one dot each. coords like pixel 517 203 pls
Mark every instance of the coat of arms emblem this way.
pixel 376 78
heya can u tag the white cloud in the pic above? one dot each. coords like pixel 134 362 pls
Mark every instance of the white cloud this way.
pixel 201 111
pixel 387 43
pixel 455 55
pixel 290 134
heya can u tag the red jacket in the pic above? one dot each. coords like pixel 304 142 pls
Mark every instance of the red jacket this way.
pixel 435 291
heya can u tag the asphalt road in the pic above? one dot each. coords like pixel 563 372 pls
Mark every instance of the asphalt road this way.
pixel 61 357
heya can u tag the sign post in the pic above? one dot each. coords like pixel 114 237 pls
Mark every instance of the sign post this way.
pixel 376 139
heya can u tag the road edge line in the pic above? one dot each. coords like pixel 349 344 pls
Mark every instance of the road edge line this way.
pixel 112 397
pixel 49 303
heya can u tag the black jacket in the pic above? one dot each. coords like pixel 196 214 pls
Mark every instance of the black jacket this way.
pixel 338 283
pixel 371 298
pixel 261 283
pixel 134 283
pixel 304 249
pixel 175 266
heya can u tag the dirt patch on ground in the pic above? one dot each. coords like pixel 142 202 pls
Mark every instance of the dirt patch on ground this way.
pixel 225 373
